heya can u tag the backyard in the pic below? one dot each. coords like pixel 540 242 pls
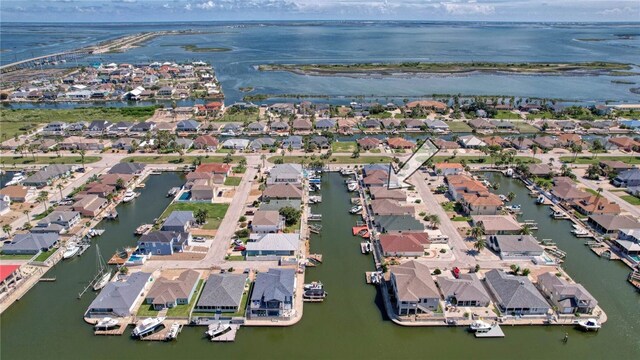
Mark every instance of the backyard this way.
pixel 343 146
pixel 232 181
pixel 634 160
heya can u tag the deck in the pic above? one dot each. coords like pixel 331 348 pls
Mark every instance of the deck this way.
pixel 229 336
pixel 161 335
pixel 495 332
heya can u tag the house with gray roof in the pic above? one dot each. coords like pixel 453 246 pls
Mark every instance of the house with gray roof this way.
pixel 397 223
pixel 293 141
pixel 467 290
pixel 184 143
pixel 414 289
pixel 273 294
pixel 325 124
pixel 163 242
pixel 627 178
pixel 119 298
pixel 437 126
pixel 48 175
pixel 515 295
pixel 568 298
pixel 628 242
pixel 285 173
pixel 236 144
pixel 188 126
pixel 180 221
pixel 261 143
pixel 279 126
pixel 127 168
pixel 222 293
pixel 515 246
pixel 167 293
pixel 610 224
pixel 30 243
pixel 57 222
pixel 272 246
pixel 256 127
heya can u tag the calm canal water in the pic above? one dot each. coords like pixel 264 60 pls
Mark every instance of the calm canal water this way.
pixel 349 324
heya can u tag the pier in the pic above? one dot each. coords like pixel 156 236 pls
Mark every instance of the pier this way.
pixel 229 336
pixel 163 334
pixel 316 257
pixel 494 332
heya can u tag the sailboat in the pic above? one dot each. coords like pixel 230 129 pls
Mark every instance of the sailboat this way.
pixel 104 274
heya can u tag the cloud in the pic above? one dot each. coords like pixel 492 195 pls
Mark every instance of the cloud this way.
pixel 616 11
pixel 206 5
pixel 469 8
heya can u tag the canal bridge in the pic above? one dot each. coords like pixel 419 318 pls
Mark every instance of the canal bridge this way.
pixel 45 60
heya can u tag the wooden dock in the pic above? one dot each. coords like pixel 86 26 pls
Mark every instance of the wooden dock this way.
pixel 312 300
pixel 51 279
pixel 161 335
pixel 634 279
pixel 495 332
pixel 118 331
pixel 315 257
pixel 117 260
pixel 228 336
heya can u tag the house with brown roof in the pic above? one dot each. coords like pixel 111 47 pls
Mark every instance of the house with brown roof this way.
pixel 463 184
pixel 545 142
pixel 206 142
pixel 481 124
pixel 390 123
pixel 302 125
pixel 368 143
pixel 496 141
pixel 414 289
pixel 567 140
pixel 282 191
pixel 408 244
pixel 376 178
pixel 447 145
pixel 99 189
pixel 18 193
pixel 215 168
pixel 167 293
pixel 483 203
pixel 540 170
pixel 112 179
pixel 400 143
pixel 615 165
pixel 611 224
pixel 267 221
pixel 623 143
pixel 382 192
pixel 445 168
pixel 390 207
pixel 436 106
pixel 347 126
pixel 596 205
pixel 497 224
pixel 566 190
pixel 90 205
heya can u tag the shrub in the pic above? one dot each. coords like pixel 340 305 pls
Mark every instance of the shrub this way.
pixel 437 271
pixel 442 251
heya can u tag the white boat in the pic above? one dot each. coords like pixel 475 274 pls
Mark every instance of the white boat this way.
pixel 541 199
pixel 579 231
pixel 509 172
pixel 313 285
pixel 479 326
pixel 71 251
pixel 559 215
pixel 104 274
pixel 352 186
pixel 356 209
pixel 129 196
pixel 173 331
pixel 216 330
pixel 106 323
pixel 147 326
pixel 102 281
pixel 589 324
pixel 345 172
pixel 16 179
pixel 502 197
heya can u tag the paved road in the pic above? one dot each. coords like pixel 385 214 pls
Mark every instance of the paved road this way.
pixel 632 209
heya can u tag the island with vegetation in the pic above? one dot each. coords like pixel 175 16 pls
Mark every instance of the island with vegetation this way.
pixel 585 68
pixel 196 48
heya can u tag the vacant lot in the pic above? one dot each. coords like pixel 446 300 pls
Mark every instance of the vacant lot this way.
pixel 175 159
pixel 23 160
pixel 343 146
pixel 597 159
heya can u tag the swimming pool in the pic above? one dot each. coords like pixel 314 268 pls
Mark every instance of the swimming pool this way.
pixel 185 196
pixel 635 258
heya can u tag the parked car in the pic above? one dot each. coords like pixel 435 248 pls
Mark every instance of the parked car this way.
pixel 198 239
pixel 239 248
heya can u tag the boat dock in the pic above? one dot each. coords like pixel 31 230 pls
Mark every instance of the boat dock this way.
pixel 634 279
pixel 117 331
pixel 314 217
pixel 313 300
pixel 315 257
pixel 117 258
pixel 51 279
pixel 163 334
pixel 229 336
pixel 494 332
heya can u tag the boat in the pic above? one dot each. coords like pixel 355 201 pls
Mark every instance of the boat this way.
pixel 104 274
pixel 112 215
pixel 147 326
pixel 173 332
pixel 559 215
pixel 129 196
pixel 503 198
pixel 140 230
pixel 353 186
pixel 16 179
pixel 588 324
pixel 479 326
pixel 579 231
pixel 94 232
pixel 346 172
pixel 356 209
pixel 314 294
pixel 71 251
pixel 509 172
pixel 106 323
pixel 173 191
pixel 313 285
pixel 365 247
pixel 540 200
pixel 216 330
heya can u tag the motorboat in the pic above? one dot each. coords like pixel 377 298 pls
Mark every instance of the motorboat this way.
pixel 129 196
pixel 16 179
pixel 502 197
pixel 106 323
pixel 314 294
pixel 71 251
pixel 173 191
pixel 147 326
pixel 509 172
pixel 173 331
pixel 588 324
pixel 559 215
pixel 479 326
pixel 112 215
pixel 313 285
pixel 216 330
pixel 579 231
pixel 540 199
pixel 346 172
pixel 352 186
pixel 356 209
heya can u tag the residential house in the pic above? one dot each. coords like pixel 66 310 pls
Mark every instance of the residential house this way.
pixel 466 290
pixel 568 298
pixel 183 143
pixel 235 144
pixel 521 143
pixel 471 142
pixel 408 244
pixel 447 169
pixel 30 243
pixel 9 277
pixel 320 142
pixel 165 91
pixel 497 224
pixel 611 224
pixel 515 246
pixel 567 191
pixel 117 180
pixel 90 205
pixel 256 128
pixel 214 168
pixel 126 144
pixel 202 190
pixel 445 145
pixel 168 293
pixel 515 295
pixel 142 127
pixel 376 178
pixel 496 141
pixel 127 168
pixel 504 125
pixel 437 126
pixel 545 142
pixel 99 127
pixel 567 140
pixel 292 142
pixel 400 143
pixel 179 221
pixel 273 293
pixel 628 242
pixel 595 205
pixel 263 143
pixel 267 221
pixel 433 105
pixel 279 126
pixel 231 129
pixel 18 193
pixel 615 166
pixel 282 109
pixel 222 293
pixel 379 193
pixel 163 242
pixel 58 222
pixel 390 124
pixel 627 178
pixel 272 246
pixel 397 223
pixel 383 207
pixel 481 125
pixel 48 175
pixel 56 128
pixel 540 170
pixel 188 126
pixel 623 143
pixel 325 124
pixel 99 189
pixel 120 298
pixel 282 191
pixel 302 125
pixel 368 143
pixel 481 203
pixel 414 289
pixel 413 124
pixel 285 173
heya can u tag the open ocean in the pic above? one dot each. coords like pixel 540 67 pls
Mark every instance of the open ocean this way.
pixel 256 43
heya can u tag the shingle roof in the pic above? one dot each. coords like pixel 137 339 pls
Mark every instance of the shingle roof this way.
pixel 414 282
pixel 466 288
pixel 223 290
pixel 283 191
pixel 178 218
pixel 399 223
pixel 517 243
pixel 120 296
pixel 514 292
pixel 275 284
pixel 126 168
pixel 266 217
pixel 274 242
pixel 168 291
pixel 31 242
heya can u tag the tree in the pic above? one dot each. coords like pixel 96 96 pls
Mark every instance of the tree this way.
pixel 477 232
pixel 526 272
pixel 227 159
pixel 42 198
pixel 82 153
pixel 356 153
pixel 575 149
pixel 60 187
pixel 6 228
pixel 435 220
pixel 26 212
pixel 511 196
pixel 514 268
pixel 480 244
pixel 263 157
pixel 201 215
pixel 525 230
pixel 291 215
pixel 120 184
pixel 593 172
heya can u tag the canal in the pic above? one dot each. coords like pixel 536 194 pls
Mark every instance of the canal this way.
pixel 47 322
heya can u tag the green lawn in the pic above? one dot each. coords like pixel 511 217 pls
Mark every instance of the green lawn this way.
pixel 634 160
pixel 633 200
pixel 43 256
pixel 481 159
pixel 232 181
pixel 19 160
pixel 591 191
pixel 15 257
pixel 335 159
pixel 183 310
pixel 293 228
pixel 215 214
pixel 239 117
pixel 525 128
pixel 343 146
pixel 461 218
pixel 235 258
pixel 19 121
pixel 147 310
pixel 175 159
pixel 506 115
pixel 543 115
pixel 458 126
pixel 243 303
pixel 448 206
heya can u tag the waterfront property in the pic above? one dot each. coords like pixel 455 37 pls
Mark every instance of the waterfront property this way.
pixel 273 294
pixel 119 298
pixel 267 221
pixel 179 221
pixel 271 246
pixel 397 223
pixel 467 290
pixel 222 293
pixel 90 205
pixel 515 246
pixel 515 295
pixel 628 242
pixel 17 193
pixel 163 242
pixel 285 173
pixel 284 191
pixel 611 224
pixel 168 293
pixel 9 276
pixel 31 243
pixel 57 222
pixel 568 298
pixel 497 224
pixel 127 168
pixel 414 289
pixel 408 244
pixel 48 175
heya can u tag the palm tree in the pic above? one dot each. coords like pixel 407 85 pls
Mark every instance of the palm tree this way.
pixel 60 187
pixel 263 157
pixel 435 220
pixel 6 228
pixel 511 196
pixel 477 232
pixel 42 198
pixel 26 212
pixel 480 244
pixel 525 230
pixel 82 153
pixel 514 268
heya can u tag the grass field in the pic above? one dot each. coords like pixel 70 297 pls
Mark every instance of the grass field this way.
pixel 343 146
pixel 20 160
pixel 458 126
pixel 238 117
pixel 175 159
pixel 15 257
pixel 591 191
pixel 215 214
pixel 506 115
pixel 634 160
pixel 183 310
pixel 633 200
pixel 525 128
pixel 232 181
pixel 19 121
pixel 43 256
pixel 481 159
pixel 334 159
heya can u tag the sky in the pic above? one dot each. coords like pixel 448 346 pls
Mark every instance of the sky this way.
pixel 237 10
